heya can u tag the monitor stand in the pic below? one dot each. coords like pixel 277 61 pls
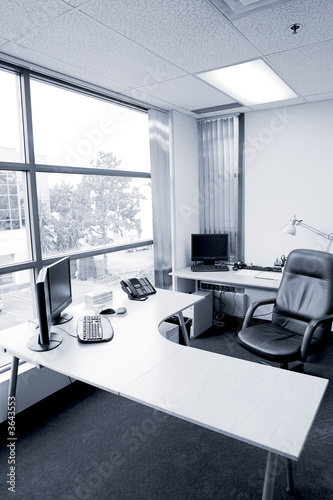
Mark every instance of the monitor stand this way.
pixel 55 341
pixel 62 318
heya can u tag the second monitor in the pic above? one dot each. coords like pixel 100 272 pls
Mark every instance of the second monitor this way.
pixel 209 248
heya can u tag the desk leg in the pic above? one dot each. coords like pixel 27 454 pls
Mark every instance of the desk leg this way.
pixel 183 328
pixel 13 378
pixel 270 476
pixel 290 478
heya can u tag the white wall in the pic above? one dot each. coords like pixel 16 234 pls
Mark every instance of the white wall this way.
pixel 288 171
pixel 184 186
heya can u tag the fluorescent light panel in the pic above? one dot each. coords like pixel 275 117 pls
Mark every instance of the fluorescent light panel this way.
pixel 251 83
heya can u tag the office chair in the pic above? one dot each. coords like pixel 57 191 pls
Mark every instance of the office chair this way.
pixel 302 313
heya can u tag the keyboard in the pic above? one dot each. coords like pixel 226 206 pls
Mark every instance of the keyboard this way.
pixel 209 267
pixel 265 268
pixel 92 329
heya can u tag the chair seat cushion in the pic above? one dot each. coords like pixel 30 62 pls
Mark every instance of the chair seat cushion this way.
pixel 272 342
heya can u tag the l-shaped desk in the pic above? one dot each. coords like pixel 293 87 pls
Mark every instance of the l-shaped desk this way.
pixel 208 389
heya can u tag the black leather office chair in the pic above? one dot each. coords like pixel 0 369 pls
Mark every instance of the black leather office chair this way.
pixel 302 313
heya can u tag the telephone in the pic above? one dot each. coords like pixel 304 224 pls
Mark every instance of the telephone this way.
pixel 137 288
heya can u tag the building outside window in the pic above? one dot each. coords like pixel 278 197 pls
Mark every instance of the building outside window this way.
pixel 74 180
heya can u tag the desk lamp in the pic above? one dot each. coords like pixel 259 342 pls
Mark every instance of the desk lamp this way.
pixel 290 228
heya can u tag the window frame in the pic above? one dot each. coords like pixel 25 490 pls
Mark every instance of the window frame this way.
pixel 31 169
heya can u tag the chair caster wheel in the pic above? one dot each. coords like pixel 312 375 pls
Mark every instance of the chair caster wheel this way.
pixel 294 493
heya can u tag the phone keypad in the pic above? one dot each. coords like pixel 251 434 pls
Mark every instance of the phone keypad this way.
pixel 146 287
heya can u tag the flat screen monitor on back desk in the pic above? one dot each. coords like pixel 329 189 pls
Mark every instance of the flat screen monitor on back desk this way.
pixel 209 248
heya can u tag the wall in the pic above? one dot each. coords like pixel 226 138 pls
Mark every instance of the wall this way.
pixel 288 171
pixel 184 186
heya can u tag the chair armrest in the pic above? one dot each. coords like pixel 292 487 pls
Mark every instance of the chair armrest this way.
pixel 253 307
pixel 309 332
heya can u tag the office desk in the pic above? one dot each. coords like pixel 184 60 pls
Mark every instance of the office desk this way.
pixel 269 408
pixel 244 278
pixel 241 288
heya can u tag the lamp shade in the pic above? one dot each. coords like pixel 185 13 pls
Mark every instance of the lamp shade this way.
pixel 290 228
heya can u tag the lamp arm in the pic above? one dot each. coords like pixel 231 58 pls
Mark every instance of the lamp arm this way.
pixel 314 230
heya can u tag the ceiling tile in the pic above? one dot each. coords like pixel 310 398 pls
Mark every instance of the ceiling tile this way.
pixel 79 40
pixel 191 34
pixel 145 49
pixel 326 96
pixel 188 92
pixel 139 95
pixel 21 17
pixel 269 30
pixel 308 69
pixel 76 3
pixel 41 62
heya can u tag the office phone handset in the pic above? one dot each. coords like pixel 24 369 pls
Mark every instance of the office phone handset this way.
pixel 137 288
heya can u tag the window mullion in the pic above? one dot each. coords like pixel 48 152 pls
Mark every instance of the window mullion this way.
pixel 31 169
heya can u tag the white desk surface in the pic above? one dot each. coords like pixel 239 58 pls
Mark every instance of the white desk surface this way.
pixel 135 349
pixel 243 278
pixel 265 406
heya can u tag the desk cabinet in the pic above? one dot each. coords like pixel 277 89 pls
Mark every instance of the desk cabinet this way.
pixel 201 313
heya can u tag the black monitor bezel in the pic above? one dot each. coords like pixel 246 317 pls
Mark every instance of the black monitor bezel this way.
pixel 212 257
pixel 57 314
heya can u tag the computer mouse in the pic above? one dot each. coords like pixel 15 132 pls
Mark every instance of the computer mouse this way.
pixel 121 310
pixel 108 310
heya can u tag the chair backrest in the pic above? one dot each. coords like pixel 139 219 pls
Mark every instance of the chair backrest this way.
pixel 305 292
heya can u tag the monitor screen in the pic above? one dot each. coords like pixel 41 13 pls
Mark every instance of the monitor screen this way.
pixel 209 248
pixel 46 339
pixel 60 290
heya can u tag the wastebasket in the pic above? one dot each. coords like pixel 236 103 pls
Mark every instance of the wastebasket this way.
pixel 175 321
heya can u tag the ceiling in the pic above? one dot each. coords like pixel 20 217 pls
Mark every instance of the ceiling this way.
pixel 151 51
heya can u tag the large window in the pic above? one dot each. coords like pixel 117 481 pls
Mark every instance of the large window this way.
pixel 11 132
pixel 80 186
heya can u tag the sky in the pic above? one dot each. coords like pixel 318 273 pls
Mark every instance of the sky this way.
pixel 70 128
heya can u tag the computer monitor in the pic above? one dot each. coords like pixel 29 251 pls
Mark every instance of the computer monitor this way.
pixel 60 290
pixel 46 339
pixel 53 295
pixel 209 248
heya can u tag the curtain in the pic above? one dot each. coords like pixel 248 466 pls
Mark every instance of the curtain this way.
pixel 161 199
pixel 220 181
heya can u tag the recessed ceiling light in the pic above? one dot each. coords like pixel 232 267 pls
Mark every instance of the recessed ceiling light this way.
pixel 251 83
pixel 234 9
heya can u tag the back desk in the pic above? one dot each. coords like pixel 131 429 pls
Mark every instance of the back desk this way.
pixel 267 407
pixel 244 278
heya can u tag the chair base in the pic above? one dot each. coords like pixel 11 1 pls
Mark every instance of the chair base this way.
pixel 290 492
pixel 294 367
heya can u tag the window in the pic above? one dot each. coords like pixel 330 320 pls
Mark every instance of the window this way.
pixel 74 129
pixel 83 212
pixel 11 133
pixel 80 187
pixel 16 303
pixel 14 231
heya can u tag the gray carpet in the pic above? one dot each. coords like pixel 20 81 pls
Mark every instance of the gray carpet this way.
pixel 84 443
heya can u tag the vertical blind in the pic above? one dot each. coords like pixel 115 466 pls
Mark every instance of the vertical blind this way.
pixel 219 180
pixel 160 176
